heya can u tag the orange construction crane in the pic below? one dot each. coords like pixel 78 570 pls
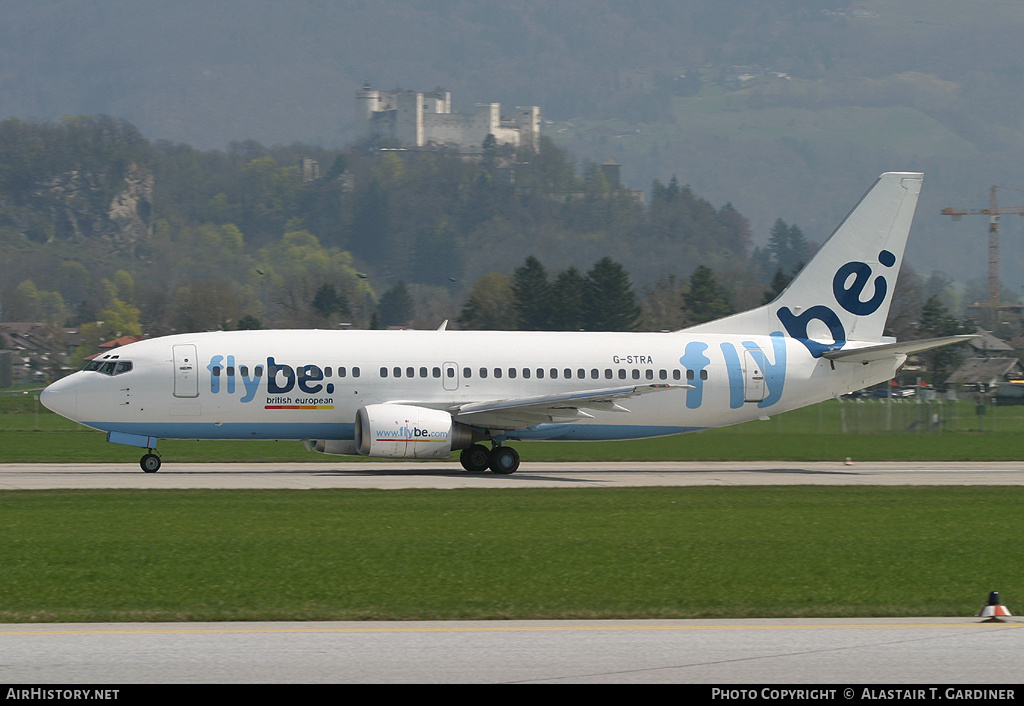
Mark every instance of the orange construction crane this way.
pixel 993 211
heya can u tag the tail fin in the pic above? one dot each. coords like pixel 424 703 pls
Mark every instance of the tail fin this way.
pixel 843 293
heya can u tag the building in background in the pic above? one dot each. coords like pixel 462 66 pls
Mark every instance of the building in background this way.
pixel 423 119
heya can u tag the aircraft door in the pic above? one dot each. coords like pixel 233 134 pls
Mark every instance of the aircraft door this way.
pixel 450 376
pixel 186 371
pixel 753 378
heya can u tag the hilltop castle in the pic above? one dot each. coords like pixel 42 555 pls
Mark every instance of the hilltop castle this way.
pixel 421 119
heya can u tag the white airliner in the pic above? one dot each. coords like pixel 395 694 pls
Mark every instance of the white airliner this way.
pixel 424 394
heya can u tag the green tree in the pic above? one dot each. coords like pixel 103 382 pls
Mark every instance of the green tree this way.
pixel 705 300
pixel 788 246
pixel 249 323
pixel 395 306
pixel 779 282
pixel 936 321
pixel 328 300
pixel 489 307
pixel 531 302
pixel 568 297
pixel 610 303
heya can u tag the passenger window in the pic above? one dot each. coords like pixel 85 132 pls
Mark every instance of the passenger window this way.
pixel 649 374
pixel 595 373
pixel 410 372
pixel 703 374
pixel 483 372
pixel 554 373
pixel 497 372
pixel 568 374
pixel 215 371
pixel 581 373
pixel 398 372
pixel 383 372
pixel 355 372
pixel 526 373
pixel 675 374
pixel 511 372
pixel 689 375
pixel 467 372
pixel 540 373
pixel 436 372
pixel 423 371
pixel 341 372
pixel 622 373
pixel 663 375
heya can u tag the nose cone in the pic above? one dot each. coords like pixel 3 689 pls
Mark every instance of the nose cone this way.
pixel 62 397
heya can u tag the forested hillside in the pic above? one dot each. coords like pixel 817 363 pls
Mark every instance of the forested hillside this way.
pixel 99 224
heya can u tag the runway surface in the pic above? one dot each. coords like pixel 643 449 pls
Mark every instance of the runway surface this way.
pixel 843 653
pixel 855 652
pixel 29 476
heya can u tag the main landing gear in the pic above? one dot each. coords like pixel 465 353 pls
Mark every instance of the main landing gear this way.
pixel 150 463
pixel 501 459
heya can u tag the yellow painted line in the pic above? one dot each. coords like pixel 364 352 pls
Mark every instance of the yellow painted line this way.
pixel 506 628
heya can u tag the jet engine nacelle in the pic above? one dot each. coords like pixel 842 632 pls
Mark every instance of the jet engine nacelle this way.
pixel 406 431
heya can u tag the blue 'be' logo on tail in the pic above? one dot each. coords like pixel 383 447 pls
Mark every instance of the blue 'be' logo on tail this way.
pixel 848 297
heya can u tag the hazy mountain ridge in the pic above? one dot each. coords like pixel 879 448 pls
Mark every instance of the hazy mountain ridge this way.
pixel 207 74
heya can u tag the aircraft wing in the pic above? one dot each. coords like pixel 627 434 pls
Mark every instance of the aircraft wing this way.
pixel 518 413
pixel 886 351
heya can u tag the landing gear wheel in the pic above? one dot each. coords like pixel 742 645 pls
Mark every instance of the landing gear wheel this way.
pixel 504 460
pixel 475 459
pixel 150 463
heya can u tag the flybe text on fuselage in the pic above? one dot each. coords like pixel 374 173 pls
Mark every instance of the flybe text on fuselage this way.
pixel 304 377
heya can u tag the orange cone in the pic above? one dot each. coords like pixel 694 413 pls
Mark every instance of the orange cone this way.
pixel 994 610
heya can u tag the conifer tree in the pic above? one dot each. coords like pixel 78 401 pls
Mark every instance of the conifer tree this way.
pixel 395 306
pixel 610 303
pixel 531 296
pixel 705 300
pixel 568 294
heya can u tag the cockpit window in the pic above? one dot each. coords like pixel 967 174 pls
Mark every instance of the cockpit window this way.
pixel 109 367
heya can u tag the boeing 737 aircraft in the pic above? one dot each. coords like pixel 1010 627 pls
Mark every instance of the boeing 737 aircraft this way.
pixel 424 394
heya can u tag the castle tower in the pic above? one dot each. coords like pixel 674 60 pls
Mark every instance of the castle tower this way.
pixel 367 102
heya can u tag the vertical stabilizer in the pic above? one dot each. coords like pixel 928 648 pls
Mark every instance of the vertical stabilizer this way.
pixel 844 292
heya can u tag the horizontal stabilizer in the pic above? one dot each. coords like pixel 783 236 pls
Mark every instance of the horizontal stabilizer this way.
pixel 886 351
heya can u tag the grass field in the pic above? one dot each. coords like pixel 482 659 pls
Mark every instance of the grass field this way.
pixel 494 554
